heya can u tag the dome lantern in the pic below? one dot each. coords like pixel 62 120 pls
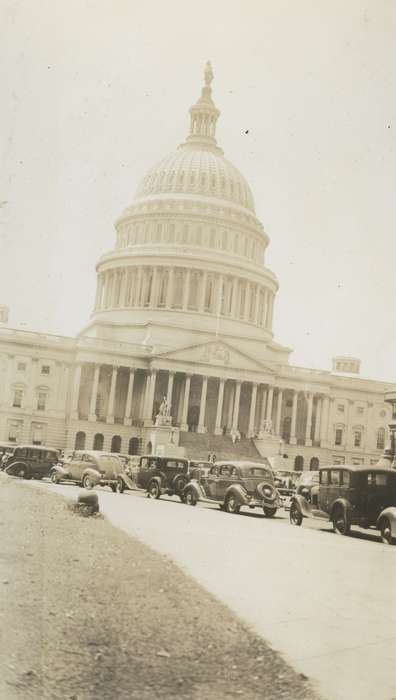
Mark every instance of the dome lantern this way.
pixel 204 115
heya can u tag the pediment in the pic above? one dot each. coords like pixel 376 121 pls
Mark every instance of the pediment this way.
pixel 217 353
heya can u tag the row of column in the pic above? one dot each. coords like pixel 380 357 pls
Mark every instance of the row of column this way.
pixel 185 289
pixel 266 411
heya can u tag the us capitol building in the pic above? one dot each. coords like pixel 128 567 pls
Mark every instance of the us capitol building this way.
pixel 184 310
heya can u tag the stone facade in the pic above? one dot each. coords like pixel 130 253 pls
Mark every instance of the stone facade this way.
pixel 184 310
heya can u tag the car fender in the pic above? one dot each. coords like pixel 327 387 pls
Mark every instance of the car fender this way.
pixel 341 502
pixel 390 514
pixel 64 473
pixel 95 476
pixel 240 493
pixel 157 479
pixel 303 505
pixel 196 488
pixel 15 465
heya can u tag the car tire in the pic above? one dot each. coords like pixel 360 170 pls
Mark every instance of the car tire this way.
pixel 269 512
pixel 55 478
pixel 231 505
pixel 87 482
pixel 386 532
pixel 295 515
pixel 120 486
pixel 179 485
pixel 153 490
pixel 341 524
pixel 190 498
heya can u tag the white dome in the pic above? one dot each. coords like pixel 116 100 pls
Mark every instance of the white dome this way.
pixel 197 171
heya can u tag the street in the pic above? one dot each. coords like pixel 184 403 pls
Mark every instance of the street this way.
pixel 324 601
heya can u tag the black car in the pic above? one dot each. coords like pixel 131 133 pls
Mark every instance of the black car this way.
pixel 31 461
pixel 157 476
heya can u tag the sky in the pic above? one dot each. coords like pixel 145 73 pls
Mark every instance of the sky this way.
pixel 94 92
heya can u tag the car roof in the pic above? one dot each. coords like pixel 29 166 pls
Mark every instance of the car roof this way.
pixel 357 468
pixel 242 463
pixel 37 447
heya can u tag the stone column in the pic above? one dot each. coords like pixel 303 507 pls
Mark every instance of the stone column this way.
pixel 308 427
pixel 110 407
pixel 252 411
pixel 263 406
pixel 257 307
pixel 169 291
pixel 349 441
pixel 186 292
pixel 220 398
pixel 138 288
pixel 186 399
pixel 94 395
pixel 278 413
pixel 293 439
pixel 247 302
pixel 271 311
pixel 202 408
pixel 220 280
pixel 171 377
pixel 123 288
pixel 128 404
pixel 318 419
pixel 148 417
pixel 235 417
pixel 76 391
pixel 154 288
pixel 234 297
pixel 268 413
pixel 324 423
pixel 231 396
pixel 201 306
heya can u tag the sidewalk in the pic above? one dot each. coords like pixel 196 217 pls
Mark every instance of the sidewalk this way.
pixel 87 612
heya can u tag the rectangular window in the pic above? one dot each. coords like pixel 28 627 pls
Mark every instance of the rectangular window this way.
pixel 37 434
pixel 18 396
pixel 21 366
pixel 324 478
pixel 14 429
pixel 41 401
pixel 358 438
pixel 45 369
pixel 340 408
pixel 346 478
pixel 338 436
pixel 335 477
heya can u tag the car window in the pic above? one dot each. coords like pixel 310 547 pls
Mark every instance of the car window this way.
pixel 144 463
pixel 346 478
pixel 234 472
pixel 377 479
pixel 335 477
pixel 21 453
pixel 214 471
pixel 225 470
pixel 324 478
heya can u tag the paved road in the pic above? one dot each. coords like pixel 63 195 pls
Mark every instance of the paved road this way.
pixel 326 602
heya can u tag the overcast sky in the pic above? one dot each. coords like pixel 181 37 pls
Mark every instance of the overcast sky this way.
pixel 94 92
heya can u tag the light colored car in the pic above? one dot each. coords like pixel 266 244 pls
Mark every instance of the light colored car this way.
pixel 88 468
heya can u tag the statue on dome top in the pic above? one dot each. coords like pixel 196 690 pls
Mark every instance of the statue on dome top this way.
pixel 208 73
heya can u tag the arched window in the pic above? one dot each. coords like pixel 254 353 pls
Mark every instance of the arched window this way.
pixel 314 464
pixel 299 463
pixel 116 443
pixel 98 442
pixel 149 448
pixel 381 439
pixel 134 444
pixel 79 442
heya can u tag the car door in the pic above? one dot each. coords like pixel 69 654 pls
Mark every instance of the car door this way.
pixel 143 474
pixel 209 482
pixel 77 466
pixel 224 481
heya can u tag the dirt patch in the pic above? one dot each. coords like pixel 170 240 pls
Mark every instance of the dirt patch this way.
pixel 88 613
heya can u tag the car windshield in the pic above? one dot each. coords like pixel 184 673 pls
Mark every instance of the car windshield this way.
pixel 309 478
pixel 259 472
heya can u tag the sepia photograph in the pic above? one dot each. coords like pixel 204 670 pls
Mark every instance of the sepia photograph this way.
pixel 197 373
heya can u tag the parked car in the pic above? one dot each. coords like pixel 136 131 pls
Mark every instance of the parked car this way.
pixel 127 478
pixel 352 495
pixel 88 468
pixel 285 481
pixel 236 484
pixel 31 461
pixel 197 468
pixel 157 476
pixel 308 485
pixel 6 451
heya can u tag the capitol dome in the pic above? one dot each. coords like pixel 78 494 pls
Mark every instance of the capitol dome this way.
pixel 188 263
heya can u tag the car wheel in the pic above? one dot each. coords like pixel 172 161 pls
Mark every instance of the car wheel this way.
pixel 295 515
pixel 88 482
pixel 269 512
pixel 179 486
pixel 231 504
pixel 341 522
pixel 120 486
pixel 153 490
pixel 55 478
pixel 190 498
pixel 386 532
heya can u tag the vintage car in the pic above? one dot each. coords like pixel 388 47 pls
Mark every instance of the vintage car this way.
pixel 31 461
pixel 236 484
pixel 308 485
pixel 157 476
pixel 285 483
pixel 88 468
pixel 352 495
pixel 197 468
